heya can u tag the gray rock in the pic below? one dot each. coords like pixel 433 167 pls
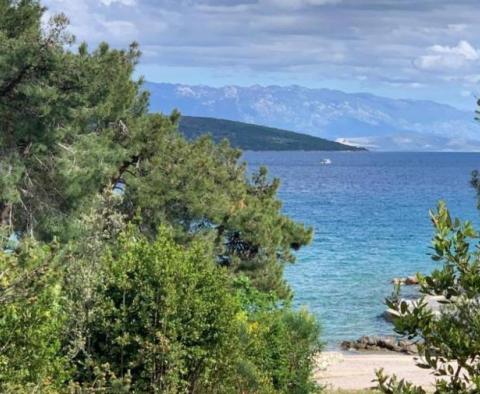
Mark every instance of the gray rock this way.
pixel 380 343
pixel 408 281
pixel 434 303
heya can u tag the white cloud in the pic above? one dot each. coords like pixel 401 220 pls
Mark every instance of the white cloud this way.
pixel 463 49
pixel 457 27
pixel 128 3
pixel 446 57
pixel 118 29
pixel 321 2
pixel 90 21
pixel 297 4
pixel 472 79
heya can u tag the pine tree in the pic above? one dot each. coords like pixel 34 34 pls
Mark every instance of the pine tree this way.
pixel 75 124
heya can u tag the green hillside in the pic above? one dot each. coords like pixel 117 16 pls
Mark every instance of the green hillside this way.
pixel 253 137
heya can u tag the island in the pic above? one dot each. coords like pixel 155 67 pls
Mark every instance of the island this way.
pixel 248 136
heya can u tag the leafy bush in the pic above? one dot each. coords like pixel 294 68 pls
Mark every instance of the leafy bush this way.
pixel 391 385
pixel 167 317
pixel 279 344
pixel 449 341
pixel 169 320
pixel 31 320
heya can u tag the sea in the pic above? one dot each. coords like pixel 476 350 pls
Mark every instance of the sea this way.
pixel 370 215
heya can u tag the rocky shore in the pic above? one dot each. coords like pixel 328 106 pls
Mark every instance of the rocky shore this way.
pixel 354 368
pixel 379 344
pixel 390 343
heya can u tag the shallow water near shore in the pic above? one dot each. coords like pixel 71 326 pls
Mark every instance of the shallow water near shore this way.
pixel 370 215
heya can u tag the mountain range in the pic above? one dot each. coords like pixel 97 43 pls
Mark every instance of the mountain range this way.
pixel 374 122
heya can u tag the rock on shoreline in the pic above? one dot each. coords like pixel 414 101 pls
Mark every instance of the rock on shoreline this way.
pixel 380 343
pixel 434 303
pixel 408 281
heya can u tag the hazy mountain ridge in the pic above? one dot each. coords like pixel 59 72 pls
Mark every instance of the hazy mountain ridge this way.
pixel 365 119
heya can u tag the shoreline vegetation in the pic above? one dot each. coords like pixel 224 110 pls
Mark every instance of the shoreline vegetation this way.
pixel 444 320
pixel 353 367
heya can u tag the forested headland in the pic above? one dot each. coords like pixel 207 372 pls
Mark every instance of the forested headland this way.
pixel 248 136
pixel 132 260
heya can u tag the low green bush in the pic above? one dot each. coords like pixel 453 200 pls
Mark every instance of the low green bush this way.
pixel 32 317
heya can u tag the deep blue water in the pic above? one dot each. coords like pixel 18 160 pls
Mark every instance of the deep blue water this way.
pixel 370 216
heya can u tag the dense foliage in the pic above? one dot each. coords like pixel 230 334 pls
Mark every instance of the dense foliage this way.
pixel 166 318
pixel 449 340
pixel 254 137
pixel 131 260
pixel 75 124
pixel 32 315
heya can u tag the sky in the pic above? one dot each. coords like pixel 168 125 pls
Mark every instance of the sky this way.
pixel 419 49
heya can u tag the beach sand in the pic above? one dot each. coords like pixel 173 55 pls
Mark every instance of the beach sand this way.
pixel 355 371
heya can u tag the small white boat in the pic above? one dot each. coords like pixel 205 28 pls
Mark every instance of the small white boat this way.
pixel 325 162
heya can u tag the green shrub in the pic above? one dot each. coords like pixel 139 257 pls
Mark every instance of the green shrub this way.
pixel 278 343
pixel 31 320
pixel 168 317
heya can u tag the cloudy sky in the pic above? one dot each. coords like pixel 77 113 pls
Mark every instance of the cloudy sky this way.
pixel 400 48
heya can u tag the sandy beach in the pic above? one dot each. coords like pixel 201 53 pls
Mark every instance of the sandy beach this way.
pixel 355 371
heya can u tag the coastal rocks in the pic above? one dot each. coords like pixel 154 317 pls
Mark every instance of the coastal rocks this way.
pixel 380 343
pixel 434 303
pixel 408 281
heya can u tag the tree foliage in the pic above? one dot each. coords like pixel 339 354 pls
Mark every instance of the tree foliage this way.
pixel 60 119
pixel 75 124
pixel 131 259
pixel 167 319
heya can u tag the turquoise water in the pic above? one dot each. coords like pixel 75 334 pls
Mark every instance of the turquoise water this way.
pixel 370 215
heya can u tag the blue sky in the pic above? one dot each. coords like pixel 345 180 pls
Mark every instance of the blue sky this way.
pixel 427 49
